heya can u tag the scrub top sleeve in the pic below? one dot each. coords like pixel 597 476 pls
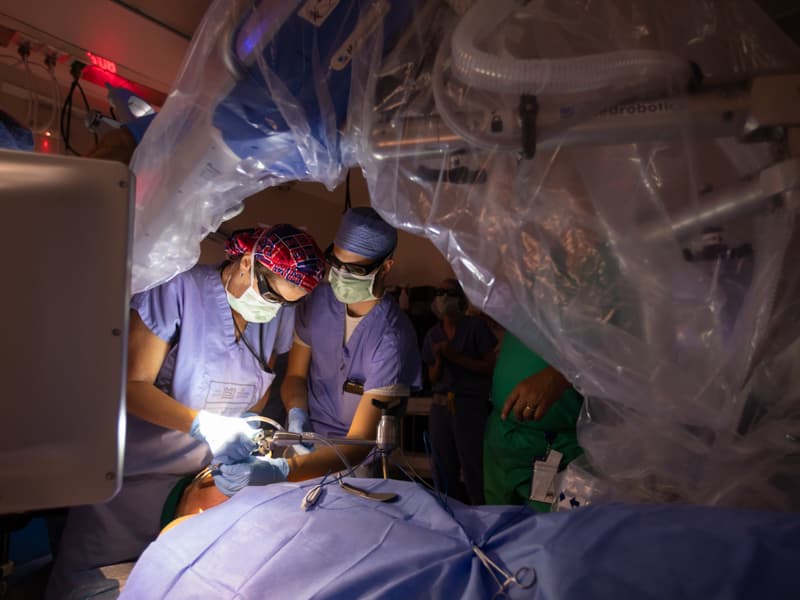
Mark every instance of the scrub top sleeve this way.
pixel 285 336
pixel 485 339
pixel 161 308
pixel 395 360
pixel 302 319
pixel 385 368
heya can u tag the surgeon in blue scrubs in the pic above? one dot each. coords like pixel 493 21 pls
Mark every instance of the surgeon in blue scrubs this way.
pixel 200 352
pixel 352 344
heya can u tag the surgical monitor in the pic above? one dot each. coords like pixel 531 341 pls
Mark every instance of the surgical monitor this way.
pixel 66 248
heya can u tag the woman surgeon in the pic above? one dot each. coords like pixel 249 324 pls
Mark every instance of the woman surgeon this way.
pixel 200 350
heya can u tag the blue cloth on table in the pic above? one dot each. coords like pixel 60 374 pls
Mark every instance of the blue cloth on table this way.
pixel 13 134
pixel 261 542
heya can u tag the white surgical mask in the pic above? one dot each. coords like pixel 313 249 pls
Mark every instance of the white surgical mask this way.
pixel 251 305
pixel 446 305
pixel 349 288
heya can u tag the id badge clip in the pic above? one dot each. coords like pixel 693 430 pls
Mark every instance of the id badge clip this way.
pixel 544 472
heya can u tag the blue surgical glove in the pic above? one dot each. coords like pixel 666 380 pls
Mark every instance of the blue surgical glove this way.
pixel 257 470
pixel 230 438
pixel 299 422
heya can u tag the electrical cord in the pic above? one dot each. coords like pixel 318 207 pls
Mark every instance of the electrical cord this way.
pixel 312 437
pixel 66 111
pixel 414 475
pixel 24 51
pixel 314 494
pixel 66 120
pixel 32 113
pixel 56 98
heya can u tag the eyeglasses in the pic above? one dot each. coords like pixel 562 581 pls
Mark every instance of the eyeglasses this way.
pixel 268 292
pixel 452 292
pixel 351 268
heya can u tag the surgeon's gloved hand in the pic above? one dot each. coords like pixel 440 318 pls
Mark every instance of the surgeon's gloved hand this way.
pixel 299 422
pixel 257 470
pixel 230 438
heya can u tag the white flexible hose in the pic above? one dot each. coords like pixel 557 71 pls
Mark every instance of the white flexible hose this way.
pixel 622 68
pixel 451 118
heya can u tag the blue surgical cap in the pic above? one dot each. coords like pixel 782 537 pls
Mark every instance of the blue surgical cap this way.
pixel 363 232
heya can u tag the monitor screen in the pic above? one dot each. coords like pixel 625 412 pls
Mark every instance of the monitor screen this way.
pixel 66 244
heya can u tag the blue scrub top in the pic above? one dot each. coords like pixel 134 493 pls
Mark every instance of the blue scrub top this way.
pixel 205 368
pixel 473 339
pixel 382 351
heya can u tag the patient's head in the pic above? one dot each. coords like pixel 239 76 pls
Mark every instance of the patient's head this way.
pixel 201 494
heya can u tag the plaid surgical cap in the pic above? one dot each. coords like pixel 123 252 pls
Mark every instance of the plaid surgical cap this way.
pixel 285 250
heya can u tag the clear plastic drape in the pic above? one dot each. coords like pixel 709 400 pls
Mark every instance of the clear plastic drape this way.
pixel 570 159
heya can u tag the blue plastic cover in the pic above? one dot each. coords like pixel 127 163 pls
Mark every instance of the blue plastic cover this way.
pixel 263 98
pixel 262 544
pixel 253 118
pixel 13 135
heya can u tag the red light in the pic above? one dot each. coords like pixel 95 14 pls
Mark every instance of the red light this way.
pixel 100 77
pixel 102 63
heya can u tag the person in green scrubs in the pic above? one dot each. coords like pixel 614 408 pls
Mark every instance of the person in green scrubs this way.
pixel 534 409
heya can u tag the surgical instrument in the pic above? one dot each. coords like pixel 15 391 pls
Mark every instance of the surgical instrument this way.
pixel 524 577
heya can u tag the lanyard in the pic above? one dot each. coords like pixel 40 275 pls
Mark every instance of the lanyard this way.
pixel 260 356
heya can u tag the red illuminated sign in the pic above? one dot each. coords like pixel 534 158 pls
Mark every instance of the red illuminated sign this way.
pixel 100 77
pixel 102 63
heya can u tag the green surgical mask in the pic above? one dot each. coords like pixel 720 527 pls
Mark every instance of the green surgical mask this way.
pixel 349 288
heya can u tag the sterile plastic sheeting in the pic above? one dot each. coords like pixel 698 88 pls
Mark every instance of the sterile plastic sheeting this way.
pixel 570 219
pixel 261 99
pixel 592 251
pixel 261 542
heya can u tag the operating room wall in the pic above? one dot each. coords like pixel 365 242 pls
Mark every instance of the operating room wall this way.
pixel 313 207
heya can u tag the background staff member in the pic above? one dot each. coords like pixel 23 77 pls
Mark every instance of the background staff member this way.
pixel 535 409
pixel 459 353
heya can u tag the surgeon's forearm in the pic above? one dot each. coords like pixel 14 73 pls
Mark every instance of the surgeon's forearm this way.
pixel 324 460
pixel 146 401
pixel 294 392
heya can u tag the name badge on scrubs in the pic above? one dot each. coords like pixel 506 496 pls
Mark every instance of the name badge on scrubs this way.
pixel 227 398
pixel 544 472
